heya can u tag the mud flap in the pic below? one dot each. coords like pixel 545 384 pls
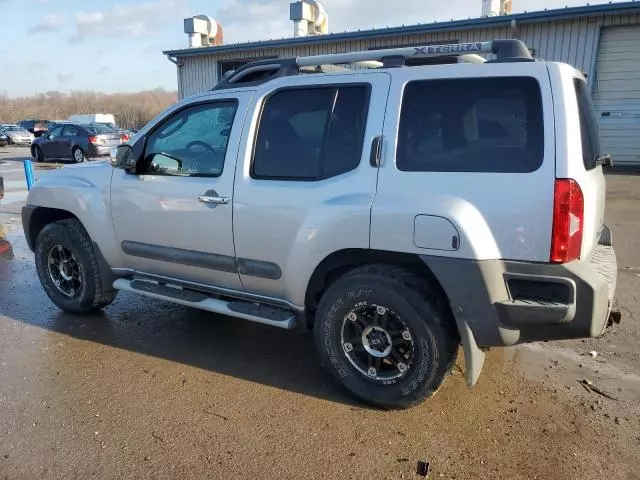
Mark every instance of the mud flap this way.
pixel 473 356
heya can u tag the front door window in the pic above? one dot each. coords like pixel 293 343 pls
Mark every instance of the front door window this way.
pixel 193 141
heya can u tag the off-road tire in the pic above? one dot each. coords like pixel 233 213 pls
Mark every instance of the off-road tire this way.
pixel 94 294
pixel 37 154
pixel 436 338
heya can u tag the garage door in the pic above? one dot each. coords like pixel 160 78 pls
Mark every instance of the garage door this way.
pixel 617 93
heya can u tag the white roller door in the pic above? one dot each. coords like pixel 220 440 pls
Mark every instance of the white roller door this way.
pixel 617 93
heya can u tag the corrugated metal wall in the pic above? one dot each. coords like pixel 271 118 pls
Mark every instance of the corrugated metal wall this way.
pixel 572 41
pixel 617 93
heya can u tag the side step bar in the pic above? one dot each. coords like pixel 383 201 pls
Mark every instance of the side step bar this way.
pixel 254 312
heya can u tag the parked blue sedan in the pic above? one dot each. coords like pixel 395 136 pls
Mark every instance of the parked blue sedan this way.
pixel 76 142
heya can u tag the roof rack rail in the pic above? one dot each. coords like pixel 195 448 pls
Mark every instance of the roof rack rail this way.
pixel 255 73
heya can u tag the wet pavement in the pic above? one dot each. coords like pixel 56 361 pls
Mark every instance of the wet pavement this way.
pixel 154 390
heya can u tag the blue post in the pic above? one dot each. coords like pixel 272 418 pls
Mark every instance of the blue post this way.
pixel 28 173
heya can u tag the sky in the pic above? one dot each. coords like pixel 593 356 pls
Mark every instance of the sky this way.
pixel 116 46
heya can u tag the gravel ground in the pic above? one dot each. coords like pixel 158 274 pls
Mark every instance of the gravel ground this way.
pixel 154 390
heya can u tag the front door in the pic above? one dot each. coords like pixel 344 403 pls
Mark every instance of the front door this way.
pixel 174 218
pixel 52 146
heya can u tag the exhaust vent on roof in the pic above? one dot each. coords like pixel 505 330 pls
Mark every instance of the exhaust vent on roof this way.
pixel 309 18
pixel 493 8
pixel 203 31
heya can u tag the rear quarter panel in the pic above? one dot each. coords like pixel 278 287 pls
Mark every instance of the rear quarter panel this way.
pixel 498 215
pixel 569 161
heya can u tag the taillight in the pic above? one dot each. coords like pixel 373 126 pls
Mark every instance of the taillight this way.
pixel 93 139
pixel 568 221
pixel 124 138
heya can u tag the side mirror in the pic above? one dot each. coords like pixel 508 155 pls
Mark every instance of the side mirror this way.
pixel 163 163
pixel 122 157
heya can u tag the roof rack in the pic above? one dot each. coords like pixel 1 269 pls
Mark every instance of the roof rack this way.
pixel 255 73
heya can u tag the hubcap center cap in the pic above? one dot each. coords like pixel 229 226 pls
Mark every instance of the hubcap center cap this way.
pixel 376 341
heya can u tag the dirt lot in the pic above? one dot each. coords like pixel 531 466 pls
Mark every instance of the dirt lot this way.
pixel 152 390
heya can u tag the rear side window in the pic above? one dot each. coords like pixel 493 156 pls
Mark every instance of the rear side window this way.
pixel 471 125
pixel 311 133
pixel 99 129
pixel 588 125
pixel 70 131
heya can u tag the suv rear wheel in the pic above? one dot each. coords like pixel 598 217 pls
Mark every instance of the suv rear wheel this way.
pixel 386 336
pixel 68 268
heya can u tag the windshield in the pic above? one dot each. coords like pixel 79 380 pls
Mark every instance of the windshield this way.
pixel 98 129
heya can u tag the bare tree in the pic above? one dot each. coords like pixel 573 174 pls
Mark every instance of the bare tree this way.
pixel 131 110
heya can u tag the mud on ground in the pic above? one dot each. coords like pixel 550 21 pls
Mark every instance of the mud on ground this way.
pixel 153 390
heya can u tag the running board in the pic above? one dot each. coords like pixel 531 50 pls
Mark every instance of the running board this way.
pixel 254 312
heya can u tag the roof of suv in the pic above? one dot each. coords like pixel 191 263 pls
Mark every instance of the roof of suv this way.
pixel 258 72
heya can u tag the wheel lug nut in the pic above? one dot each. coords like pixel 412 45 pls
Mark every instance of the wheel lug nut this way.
pixel 352 316
pixel 381 310
pixel 406 335
pixel 402 367
pixel 348 347
pixel 372 372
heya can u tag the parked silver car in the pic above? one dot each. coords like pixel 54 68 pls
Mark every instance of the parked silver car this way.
pixel 16 134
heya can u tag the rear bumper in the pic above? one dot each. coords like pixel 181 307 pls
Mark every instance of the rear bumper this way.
pixel 98 151
pixel 507 303
pixel 21 141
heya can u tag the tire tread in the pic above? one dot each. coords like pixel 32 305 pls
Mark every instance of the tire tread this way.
pixel 418 291
pixel 102 295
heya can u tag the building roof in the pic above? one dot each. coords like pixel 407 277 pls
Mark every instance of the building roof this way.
pixel 468 24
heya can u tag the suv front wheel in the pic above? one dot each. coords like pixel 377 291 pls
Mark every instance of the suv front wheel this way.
pixel 386 336
pixel 68 268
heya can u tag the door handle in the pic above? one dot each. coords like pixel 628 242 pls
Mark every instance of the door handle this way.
pixel 375 157
pixel 213 200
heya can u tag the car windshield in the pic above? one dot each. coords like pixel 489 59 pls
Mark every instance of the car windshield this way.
pixel 98 129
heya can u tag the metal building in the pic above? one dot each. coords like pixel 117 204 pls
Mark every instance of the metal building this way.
pixel 601 40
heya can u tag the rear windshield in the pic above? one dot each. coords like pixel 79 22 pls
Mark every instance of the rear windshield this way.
pixel 99 129
pixel 588 125
pixel 471 125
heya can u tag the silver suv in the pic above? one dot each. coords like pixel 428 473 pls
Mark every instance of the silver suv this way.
pixel 397 211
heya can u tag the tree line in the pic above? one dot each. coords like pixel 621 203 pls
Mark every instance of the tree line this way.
pixel 131 110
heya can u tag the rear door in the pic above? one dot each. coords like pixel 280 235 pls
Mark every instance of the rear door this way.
pixel 304 185
pixel 68 139
pixel 466 170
